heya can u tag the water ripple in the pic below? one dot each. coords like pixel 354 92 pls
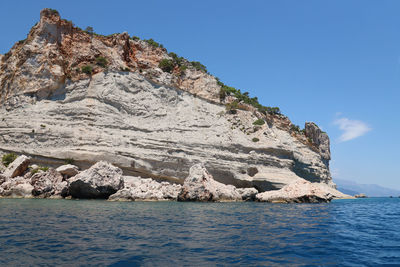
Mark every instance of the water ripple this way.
pixel 99 233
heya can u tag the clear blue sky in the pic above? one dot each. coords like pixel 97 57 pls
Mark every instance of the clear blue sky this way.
pixel 336 63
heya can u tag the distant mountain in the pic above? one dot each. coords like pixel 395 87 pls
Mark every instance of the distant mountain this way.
pixel 372 190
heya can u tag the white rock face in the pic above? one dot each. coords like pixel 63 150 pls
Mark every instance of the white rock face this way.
pixel 99 181
pixel 155 131
pixel 136 188
pixel 17 167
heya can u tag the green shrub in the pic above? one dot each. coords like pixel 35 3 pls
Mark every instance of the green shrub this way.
pixel 87 69
pixel 40 168
pixel 219 82
pixel 245 98
pixel 153 43
pixel 295 128
pixel 54 12
pixel 269 110
pixel 135 38
pixel 69 161
pixel 259 122
pixel 178 60
pixel 182 68
pixel 255 139
pixel 232 107
pixel 167 65
pixel 198 66
pixel 7 159
pixel 89 30
pixel 101 61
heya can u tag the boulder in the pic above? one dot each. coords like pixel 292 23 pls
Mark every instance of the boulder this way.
pixel 21 191
pixel 68 170
pixel 201 186
pixel 300 191
pixel 99 181
pixel 16 187
pixel 17 167
pixel 44 183
pixel 60 190
pixel 136 188
pixel 361 195
pixel 248 194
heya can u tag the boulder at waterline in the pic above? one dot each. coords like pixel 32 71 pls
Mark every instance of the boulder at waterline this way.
pixel 99 181
pixel 248 194
pixel 45 183
pixel 301 191
pixel 361 195
pixel 17 187
pixel 136 188
pixel 201 186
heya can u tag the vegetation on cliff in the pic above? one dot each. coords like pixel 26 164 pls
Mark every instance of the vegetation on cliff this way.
pixel 8 158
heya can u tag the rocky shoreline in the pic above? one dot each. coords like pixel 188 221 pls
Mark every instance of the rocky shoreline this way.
pixel 105 181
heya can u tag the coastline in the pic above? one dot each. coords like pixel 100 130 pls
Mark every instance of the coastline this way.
pixel 105 181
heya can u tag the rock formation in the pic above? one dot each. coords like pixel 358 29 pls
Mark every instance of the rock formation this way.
pixel 68 93
pixel 361 195
pixel 319 138
pixel 68 170
pixel 301 191
pixel 45 184
pixel 17 167
pixel 16 187
pixel 99 181
pixel 201 186
pixel 103 180
pixel 136 188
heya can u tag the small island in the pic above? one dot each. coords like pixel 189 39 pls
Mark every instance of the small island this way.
pixel 142 123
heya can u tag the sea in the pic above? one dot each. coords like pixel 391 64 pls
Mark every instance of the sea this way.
pixel 46 232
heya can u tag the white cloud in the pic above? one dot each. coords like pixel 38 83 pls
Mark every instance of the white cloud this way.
pixel 351 128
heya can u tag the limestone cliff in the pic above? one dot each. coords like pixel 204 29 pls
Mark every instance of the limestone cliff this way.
pixel 69 93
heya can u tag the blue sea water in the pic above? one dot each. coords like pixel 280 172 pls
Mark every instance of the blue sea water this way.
pixel 40 232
